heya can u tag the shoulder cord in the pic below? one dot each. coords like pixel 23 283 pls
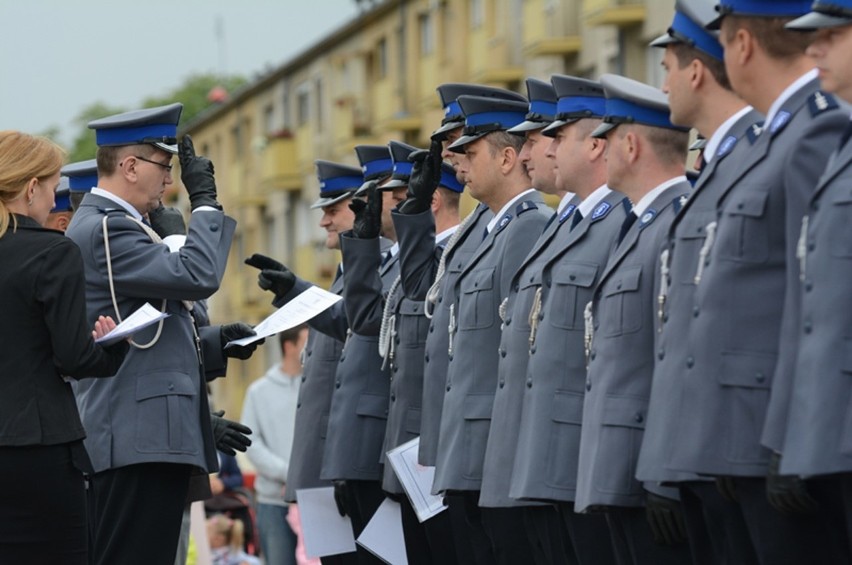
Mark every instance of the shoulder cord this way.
pixel 388 328
pixel 435 289
pixel 156 239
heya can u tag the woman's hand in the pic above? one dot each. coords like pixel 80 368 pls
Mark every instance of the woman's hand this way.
pixel 103 326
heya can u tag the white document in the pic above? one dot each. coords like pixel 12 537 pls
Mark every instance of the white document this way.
pixel 383 534
pixel 142 318
pixel 324 530
pixel 298 311
pixel 416 480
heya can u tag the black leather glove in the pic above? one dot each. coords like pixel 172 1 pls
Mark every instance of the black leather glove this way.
pixel 368 215
pixel 167 221
pixel 787 493
pixel 238 330
pixel 230 436
pixel 197 176
pixel 425 176
pixel 665 516
pixel 273 275
pixel 727 488
pixel 340 496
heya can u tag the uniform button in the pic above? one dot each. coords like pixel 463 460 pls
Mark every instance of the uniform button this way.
pixel 588 385
pixel 414 308
pixel 337 384
pixel 309 353
pixel 502 352
pixel 529 384
pixel 393 398
pixel 811 246
pixel 396 340
pixel 502 384
pixel 450 357
pixel 171 386
pixel 448 388
pixel 532 350
pixel 695 312
pixel 303 378
pixel 592 355
pixel 740 206
pixel 690 362
pixel 214 227
pixel 808 327
pixel 618 286
pixel 661 354
pixel 760 377
pixel 665 317
pixel 508 321
pixel 298 405
pixel 395 368
pixel 532 279
pixel 541 317
pixel 431 328
pixel 808 286
pixel 639 418
pixel 427 358
pixel 572 277
pixel 440 299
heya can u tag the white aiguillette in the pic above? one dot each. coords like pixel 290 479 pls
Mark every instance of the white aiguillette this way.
pixel 140 319
pixel 298 311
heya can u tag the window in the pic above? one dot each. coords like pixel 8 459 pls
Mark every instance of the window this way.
pixel 427 35
pixel 382 58
pixel 303 105
pixel 319 104
pixel 477 13
pixel 269 119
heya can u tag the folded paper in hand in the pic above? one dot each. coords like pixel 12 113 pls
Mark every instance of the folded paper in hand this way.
pixel 142 318
pixel 298 311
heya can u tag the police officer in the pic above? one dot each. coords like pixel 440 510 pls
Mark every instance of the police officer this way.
pixel 545 461
pixel 82 176
pixel 645 160
pixel 60 216
pixel 740 345
pixel 149 427
pixel 700 96
pixel 816 430
pixel 540 521
pixel 496 177
pixel 325 341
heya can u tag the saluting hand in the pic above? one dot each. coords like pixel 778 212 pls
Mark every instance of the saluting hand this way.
pixel 197 175
pixel 368 215
pixel 425 177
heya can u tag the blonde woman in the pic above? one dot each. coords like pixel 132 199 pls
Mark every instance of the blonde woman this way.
pixel 44 341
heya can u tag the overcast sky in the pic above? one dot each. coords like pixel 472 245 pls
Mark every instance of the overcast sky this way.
pixel 59 56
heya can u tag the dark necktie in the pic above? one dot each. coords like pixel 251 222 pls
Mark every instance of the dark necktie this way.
pixel 625 227
pixel 386 257
pixel 576 219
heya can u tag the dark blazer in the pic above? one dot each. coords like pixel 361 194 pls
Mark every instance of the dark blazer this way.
pixel 45 336
pixel 739 340
pixel 471 379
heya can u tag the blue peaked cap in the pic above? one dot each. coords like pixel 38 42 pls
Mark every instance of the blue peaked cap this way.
pixel 760 8
pixel 453 114
pixel 834 13
pixel 486 115
pixel 578 98
pixel 337 181
pixel 375 161
pixel 155 126
pixel 401 165
pixel 689 27
pixel 632 102
pixel 542 107
pixel 82 175
pixel 62 198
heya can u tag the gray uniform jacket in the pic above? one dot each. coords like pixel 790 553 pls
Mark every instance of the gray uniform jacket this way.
pixel 322 355
pixel 548 446
pixel 681 258
pixel 359 400
pixel 155 408
pixel 524 297
pixel 818 438
pixel 418 270
pixel 621 362
pixel 471 379
pixel 736 335
pixel 411 326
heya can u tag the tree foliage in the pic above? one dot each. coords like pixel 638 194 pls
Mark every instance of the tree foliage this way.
pixel 192 92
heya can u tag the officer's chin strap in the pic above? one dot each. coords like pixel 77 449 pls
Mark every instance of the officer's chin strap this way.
pixel 153 236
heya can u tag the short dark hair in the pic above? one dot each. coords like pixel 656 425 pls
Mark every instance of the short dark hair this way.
pixel 291 335
pixel 778 41
pixel 499 140
pixel 108 156
pixel 685 54
pixel 670 145
pixel 451 198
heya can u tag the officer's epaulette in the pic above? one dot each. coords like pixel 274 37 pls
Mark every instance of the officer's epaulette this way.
pixel 601 211
pixel 525 206
pixel 679 202
pixel 754 131
pixel 820 102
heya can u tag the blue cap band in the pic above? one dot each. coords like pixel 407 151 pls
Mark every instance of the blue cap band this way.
pixel 377 167
pixel 453 109
pixel 618 110
pixel 134 135
pixel 337 184
pixel 542 108
pixel 593 105
pixel 686 30
pixel 83 183
pixel 505 119
pixel 765 7
pixel 450 182
pixel 63 203
pixel 402 168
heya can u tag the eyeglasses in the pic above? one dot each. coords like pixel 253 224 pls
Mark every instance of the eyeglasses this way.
pixel 167 167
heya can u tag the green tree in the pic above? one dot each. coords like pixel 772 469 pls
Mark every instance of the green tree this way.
pixel 83 146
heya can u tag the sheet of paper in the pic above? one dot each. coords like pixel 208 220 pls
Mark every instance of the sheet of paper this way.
pixel 416 480
pixel 298 311
pixel 142 318
pixel 324 530
pixel 383 534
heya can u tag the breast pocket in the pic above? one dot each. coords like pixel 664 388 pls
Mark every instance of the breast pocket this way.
pixel 743 231
pixel 840 218
pixel 571 290
pixel 621 308
pixel 477 302
pixel 166 414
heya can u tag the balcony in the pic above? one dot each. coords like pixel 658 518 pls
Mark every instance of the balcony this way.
pixel 279 168
pixel 620 13
pixel 554 46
